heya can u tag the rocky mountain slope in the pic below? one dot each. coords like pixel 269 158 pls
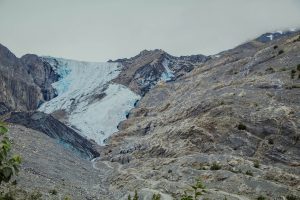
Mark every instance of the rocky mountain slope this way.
pixel 231 120
pixel 25 83
pixel 233 111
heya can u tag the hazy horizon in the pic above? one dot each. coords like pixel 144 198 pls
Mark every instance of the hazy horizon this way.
pixel 102 30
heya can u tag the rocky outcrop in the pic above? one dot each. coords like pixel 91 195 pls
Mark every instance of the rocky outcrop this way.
pixel 142 72
pixel 55 129
pixel 24 83
pixel 3 109
pixel 42 73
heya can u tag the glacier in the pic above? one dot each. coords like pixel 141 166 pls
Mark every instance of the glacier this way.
pixel 94 105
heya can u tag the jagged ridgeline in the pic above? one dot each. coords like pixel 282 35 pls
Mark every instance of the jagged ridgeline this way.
pixel 157 123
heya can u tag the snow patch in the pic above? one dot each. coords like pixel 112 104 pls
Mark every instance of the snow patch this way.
pixel 168 74
pixel 270 36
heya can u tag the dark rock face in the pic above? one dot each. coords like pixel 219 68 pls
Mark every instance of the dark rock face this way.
pixel 55 129
pixel 3 109
pixel 24 83
pixel 42 73
pixel 142 72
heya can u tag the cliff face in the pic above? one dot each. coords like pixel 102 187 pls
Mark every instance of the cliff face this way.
pixel 42 74
pixel 24 83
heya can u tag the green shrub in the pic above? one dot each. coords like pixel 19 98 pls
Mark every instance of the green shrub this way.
pixel 298 67
pixel 156 197
pixel 241 126
pixel 261 198
pixel 270 69
pixel 275 47
pixel 270 141
pixel 35 196
pixel 293 72
pixel 215 166
pixel 292 197
pixel 280 52
pixel 9 165
pixel 135 197
pixel 53 192
pixel 283 69
pixel 249 173
pixel 198 190
pixel 256 164
pixel 67 198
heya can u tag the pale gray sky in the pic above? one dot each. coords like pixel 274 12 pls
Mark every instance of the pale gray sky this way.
pixel 98 30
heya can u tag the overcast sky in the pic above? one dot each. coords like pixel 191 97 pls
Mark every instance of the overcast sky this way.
pixel 98 30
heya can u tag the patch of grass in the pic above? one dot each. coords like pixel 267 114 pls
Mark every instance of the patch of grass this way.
pixel 283 69
pixel 215 166
pixel 256 164
pixel 292 87
pixel 198 190
pixel 270 141
pixel 156 197
pixel 53 192
pixel 249 173
pixel 261 197
pixel 67 198
pixel 293 72
pixel 292 197
pixel 270 70
pixel 241 126
pixel 280 52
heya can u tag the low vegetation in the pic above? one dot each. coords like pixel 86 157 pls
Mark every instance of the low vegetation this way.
pixel 256 164
pixel 136 196
pixel 9 164
pixel 53 192
pixel 249 173
pixel 261 198
pixel 241 126
pixel 280 52
pixel 192 194
pixel 215 166
pixel 292 197
pixel 293 73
